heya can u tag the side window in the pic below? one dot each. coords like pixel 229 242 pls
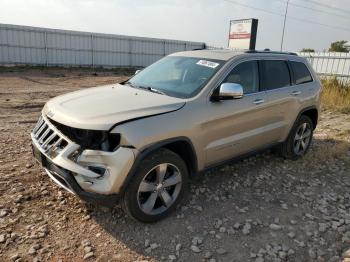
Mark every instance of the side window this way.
pixel 275 74
pixel 301 73
pixel 247 75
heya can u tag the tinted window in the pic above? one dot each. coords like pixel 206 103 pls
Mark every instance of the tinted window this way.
pixel 275 74
pixel 247 75
pixel 301 73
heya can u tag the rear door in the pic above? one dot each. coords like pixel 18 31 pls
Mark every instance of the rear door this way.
pixel 303 82
pixel 281 98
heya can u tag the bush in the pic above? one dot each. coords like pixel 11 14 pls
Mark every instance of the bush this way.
pixel 335 95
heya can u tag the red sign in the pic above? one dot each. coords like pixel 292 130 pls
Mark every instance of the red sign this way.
pixel 240 36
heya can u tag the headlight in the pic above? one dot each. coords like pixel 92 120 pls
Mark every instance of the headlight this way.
pixel 90 139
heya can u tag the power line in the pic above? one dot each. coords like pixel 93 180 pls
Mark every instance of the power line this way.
pixel 328 6
pixel 313 9
pixel 253 7
pixel 318 10
pixel 291 17
pixel 321 24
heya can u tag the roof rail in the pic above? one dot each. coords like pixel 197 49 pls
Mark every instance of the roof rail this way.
pixel 204 46
pixel 269 52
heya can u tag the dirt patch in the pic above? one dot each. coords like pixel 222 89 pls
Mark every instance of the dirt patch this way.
pixel 263 208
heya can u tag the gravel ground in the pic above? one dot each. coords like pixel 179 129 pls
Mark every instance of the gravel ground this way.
pixel 263 208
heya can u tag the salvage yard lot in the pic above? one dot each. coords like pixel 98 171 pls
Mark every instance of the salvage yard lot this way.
pixel 263 208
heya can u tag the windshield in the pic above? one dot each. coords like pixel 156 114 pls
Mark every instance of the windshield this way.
pixel 177 76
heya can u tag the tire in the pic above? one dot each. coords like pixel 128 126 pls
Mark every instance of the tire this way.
pixel 289 147
pixel 147 184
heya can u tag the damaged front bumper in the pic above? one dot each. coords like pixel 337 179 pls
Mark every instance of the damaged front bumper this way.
pixel 66 180
pixel 91 174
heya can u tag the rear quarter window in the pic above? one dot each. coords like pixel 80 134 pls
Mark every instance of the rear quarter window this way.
pixel 301 73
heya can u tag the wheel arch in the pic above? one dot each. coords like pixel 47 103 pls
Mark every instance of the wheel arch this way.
pixel 312 113
pixel 180 145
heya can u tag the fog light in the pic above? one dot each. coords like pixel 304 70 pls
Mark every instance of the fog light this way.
pixel 75 155
pixel 102 171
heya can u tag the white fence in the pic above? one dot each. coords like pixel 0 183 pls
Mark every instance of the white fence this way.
pixel 330 64
pixel 50 47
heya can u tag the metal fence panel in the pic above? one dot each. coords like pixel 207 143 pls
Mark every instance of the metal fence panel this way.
pixel 330 64
pixel 173 47
pixel 42 46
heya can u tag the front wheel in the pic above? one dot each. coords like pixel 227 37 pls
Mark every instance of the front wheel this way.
pixel 158 185
pixel 299 140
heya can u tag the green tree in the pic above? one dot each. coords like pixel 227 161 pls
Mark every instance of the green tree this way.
pixel 308 50
pixel 338 47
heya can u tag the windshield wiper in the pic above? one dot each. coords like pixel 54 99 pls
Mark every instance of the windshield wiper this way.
pixel 154 90
pixel 151 89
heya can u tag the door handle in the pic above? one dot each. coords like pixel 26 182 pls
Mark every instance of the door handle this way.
pixel 259 101
pixel 296 93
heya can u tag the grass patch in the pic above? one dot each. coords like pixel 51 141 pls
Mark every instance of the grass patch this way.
pixel 326 149
pixel 335 96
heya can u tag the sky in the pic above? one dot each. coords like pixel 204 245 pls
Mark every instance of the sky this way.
pixel 193 20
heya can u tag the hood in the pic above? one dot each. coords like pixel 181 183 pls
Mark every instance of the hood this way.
pixel 100 108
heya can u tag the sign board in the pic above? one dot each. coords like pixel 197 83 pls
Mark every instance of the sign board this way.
pixel 243 34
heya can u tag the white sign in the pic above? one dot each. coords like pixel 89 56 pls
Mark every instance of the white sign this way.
pixel 207 63
pixel 242 34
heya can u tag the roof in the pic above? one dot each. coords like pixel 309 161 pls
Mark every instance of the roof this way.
pixel 226 54
pixel 218 54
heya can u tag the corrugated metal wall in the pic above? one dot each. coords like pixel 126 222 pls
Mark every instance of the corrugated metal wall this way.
pixel 42 46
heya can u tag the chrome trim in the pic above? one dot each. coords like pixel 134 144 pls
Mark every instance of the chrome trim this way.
pixel 55 151
pixel 47 137
pixel 259 101
pixel 296 93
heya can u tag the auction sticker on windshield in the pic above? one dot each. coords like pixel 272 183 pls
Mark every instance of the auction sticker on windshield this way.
pixel 207 63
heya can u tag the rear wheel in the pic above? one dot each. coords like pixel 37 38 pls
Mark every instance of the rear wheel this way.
pixel 299 139
pixel 159 184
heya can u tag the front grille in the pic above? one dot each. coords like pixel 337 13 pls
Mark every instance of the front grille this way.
pixel 47 137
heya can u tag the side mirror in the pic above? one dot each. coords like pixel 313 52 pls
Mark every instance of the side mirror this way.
pixel 137 71
pixel 230 91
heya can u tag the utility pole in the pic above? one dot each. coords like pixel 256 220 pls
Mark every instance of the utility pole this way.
pixel 284 24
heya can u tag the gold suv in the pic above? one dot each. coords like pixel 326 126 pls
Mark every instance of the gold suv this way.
pixel 139 142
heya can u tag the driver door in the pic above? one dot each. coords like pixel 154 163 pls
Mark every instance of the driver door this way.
pixel 236 126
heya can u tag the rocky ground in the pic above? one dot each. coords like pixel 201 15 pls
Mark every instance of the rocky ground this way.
pixel 263 208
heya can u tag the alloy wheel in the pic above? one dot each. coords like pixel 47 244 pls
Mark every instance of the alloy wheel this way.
pixel 302 139
pixel 159 189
